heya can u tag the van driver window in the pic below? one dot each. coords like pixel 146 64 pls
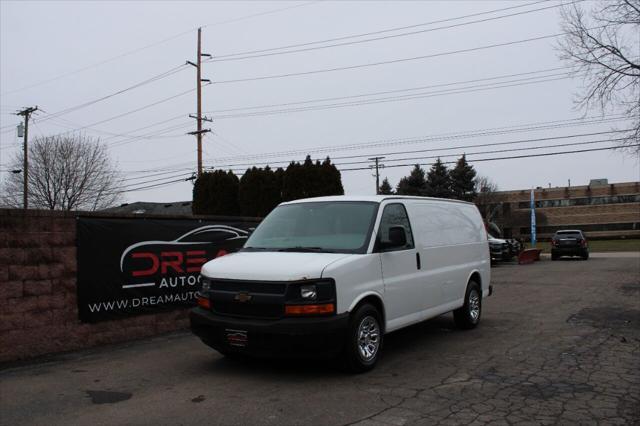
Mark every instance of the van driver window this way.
pixel 395 215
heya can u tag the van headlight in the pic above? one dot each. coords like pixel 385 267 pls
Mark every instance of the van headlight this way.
pixel 315 297
pixel 308 292
pixel 311 291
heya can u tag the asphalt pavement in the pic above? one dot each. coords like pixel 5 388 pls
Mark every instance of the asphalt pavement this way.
pixel 559 343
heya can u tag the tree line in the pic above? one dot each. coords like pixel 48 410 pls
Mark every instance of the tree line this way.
pixel 259 190
pixel 459 183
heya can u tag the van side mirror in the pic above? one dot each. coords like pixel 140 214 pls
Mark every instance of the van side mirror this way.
pixel 397 238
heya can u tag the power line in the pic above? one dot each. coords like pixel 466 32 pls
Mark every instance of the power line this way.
pixel 255 15
pixel 132 111
pixel 97 64
pixel 454 91
pixel 160 133
pixel 156 180
pixel 270 52
pixel 491 151
pixel 157 77
pixel 505 158
pixel 329 40
pixel 148 46
pixel 392 61
pixel 146 127
pixel 386 154
pixel 526 127
pixel 137 137
pixel 151 175
pixel 112 135
pixel 154 185
pixel 386 92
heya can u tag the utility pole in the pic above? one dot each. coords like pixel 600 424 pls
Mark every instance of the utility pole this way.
pixel 26 113
pixel 200 131
pixel 377 166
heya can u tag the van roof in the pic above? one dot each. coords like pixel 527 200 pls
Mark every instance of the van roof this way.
pixel 371 198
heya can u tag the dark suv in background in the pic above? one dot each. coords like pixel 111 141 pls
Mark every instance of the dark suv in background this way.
pixel 570 242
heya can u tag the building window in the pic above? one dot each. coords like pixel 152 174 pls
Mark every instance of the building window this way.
pixel 598 227
pixel 585 201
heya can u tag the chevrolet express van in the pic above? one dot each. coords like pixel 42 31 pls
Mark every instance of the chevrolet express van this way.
pixel 330 276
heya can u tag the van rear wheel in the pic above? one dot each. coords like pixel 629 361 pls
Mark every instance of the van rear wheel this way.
pixel 364 339
pixel 468 316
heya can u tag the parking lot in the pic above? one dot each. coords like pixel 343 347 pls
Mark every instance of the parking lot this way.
pixel 559 343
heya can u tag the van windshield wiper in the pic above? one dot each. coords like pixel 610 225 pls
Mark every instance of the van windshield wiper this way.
pixel 254 248
pixel 305 249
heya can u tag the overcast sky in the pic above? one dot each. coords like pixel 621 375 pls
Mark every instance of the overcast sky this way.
pixel 58 55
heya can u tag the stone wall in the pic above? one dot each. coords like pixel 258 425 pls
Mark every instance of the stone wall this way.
pixel 38 305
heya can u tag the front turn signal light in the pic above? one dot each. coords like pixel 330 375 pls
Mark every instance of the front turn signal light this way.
pixel 326 308
pixel 203 302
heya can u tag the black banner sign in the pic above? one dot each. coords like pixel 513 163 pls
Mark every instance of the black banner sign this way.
pixel 135 266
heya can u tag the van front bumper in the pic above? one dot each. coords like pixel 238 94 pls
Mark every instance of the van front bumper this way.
pixel 314 337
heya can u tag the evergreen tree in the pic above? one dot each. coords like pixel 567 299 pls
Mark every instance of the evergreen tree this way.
pixel 216 193
pixel 259 192
pixel 385 187
pixel 271 191
pixel 463 177
pixel 439 181
pixel 250 189
pixel 331 178
pixel 292 182
pixel 414 184
pixel 311 180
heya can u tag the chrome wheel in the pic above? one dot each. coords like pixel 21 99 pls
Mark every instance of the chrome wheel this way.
pixel 474 305
pixel 368 338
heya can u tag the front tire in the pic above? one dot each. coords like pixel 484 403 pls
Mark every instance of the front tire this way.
pixel 468 316
pixel 364 339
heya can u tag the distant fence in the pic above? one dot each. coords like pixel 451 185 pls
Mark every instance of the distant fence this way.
pixel 72 280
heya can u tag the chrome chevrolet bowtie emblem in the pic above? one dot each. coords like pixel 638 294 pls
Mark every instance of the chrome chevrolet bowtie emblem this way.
pixel 243 297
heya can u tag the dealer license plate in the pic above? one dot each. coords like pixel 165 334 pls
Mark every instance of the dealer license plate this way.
pixel 237 338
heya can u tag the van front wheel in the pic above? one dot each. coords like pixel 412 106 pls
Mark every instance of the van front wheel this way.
pixel 468 316
pixel 364 339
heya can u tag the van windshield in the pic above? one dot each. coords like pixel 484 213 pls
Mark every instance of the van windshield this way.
pixel 339 227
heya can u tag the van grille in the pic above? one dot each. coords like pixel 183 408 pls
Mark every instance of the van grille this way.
pixel 266 299
pixel 249 286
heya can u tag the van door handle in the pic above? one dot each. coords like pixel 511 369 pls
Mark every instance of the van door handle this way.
pixel 418 260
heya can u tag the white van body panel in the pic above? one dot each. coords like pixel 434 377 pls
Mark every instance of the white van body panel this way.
pixel 450 238
pixel 356 276
pixel 270 266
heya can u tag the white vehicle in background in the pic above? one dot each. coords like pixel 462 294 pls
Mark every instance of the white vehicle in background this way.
pixel 330 276
pixel 498 248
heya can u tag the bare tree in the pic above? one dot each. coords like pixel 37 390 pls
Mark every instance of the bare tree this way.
pixel 65 173
pixel 487 200
pixel 603 45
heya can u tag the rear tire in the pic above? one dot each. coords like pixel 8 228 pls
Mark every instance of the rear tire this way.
pixel 554 256
pixel 364 340
pixel 585 256
pixel 468 316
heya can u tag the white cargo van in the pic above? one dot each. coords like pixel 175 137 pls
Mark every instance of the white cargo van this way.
pixel 330 276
